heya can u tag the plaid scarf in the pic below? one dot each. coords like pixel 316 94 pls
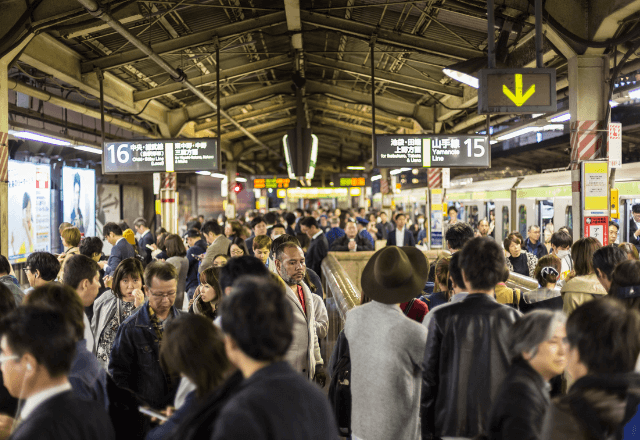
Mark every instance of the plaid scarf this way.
pixel 157 327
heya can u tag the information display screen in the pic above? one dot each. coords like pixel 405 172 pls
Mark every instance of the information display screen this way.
pixel 79 193
pixel 30 210
pixel 432 151
pixel 169 155
pixel 271 183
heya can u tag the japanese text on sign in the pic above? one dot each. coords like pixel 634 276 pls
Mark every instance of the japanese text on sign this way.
pixel 274 183
pixel 160 155
pixel 352 181
pixel 432 151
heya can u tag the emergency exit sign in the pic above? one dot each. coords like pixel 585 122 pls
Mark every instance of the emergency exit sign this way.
pixel 517 91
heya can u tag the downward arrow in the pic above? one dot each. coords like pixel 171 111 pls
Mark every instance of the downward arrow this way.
pixel 519 99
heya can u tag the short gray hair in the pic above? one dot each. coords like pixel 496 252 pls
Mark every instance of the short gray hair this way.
pixel 140 221
pixel 533 226
pixel 533 329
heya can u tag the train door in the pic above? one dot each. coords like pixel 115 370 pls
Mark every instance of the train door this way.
pixel 504 222
pixel 474 214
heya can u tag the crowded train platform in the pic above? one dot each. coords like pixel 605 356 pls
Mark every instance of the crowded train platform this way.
pixel 319 220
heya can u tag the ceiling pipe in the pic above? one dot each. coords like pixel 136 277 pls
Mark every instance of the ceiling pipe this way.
pixel 96 10
pixel 74 106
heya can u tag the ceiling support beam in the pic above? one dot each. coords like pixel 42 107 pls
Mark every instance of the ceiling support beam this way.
pixel 258 128
pixel 76 107
pixel 202 80
pixel 261 113
pixel 343 111
pixel 394 78
pixel 391 37
pixel 188 41
pixel 346 125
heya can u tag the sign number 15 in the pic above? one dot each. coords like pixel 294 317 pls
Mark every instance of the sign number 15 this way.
pixel 122 153
pixel 477 145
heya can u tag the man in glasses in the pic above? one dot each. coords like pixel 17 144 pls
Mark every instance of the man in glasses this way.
pixel 41 268
pixel 135 354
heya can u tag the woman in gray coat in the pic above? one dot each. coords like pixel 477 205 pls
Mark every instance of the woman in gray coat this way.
pixel 114 306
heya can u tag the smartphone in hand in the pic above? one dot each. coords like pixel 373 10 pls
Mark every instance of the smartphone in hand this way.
pixel 152 413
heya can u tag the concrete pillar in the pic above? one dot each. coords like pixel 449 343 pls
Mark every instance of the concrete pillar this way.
pixel 588 75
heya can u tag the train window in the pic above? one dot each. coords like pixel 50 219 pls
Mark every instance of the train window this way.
pixel 546 213
pixel 473 216
pixel 491 206
pixel 505 222
pixel 522 220
pixel 568 217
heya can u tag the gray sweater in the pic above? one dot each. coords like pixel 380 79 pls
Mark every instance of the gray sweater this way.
pixel 386 351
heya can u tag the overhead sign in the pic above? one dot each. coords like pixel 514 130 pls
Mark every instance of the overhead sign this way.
pixel 435 151
pixel 595 189
pixel 517 91
pixel 169 155
pixel 271 183
pixel 317 193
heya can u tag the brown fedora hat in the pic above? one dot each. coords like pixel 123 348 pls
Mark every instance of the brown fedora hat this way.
pixel 395 274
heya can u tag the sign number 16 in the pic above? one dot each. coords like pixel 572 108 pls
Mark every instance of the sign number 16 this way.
pixel 122 153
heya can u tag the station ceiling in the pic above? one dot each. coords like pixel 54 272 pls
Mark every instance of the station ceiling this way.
pixel 57 45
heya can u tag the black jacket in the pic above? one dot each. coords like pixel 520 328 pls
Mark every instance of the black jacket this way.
pixel 466 357
pixel 342 244
pixel 632 230
pixel 145 252
pixel 318 249
pixel 596 407
pixel 408 238
pixel 66 416
pixel 383 230
pixel 276 403
pixel 522 407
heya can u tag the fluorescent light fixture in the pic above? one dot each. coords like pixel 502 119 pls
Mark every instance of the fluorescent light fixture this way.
pixel 634 94
pixel 38 137
pixel 462 77
pixel 398 171
pixel 203 173
pixel 377 177
pixel 241 179
pixel 286 157
pixel 218 175
pixel 536 115
pixel 355 168
pixel 526 130
pixel 87 149
pixel 564 117
pixel 313 158
pixel 613 104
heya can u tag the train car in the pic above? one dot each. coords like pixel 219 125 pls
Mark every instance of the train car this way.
pixel 542 199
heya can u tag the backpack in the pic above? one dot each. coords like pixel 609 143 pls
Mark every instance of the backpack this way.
pixel 340 387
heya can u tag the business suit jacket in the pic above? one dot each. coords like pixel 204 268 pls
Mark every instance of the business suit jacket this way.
pixel 142 247
pixel 66 416
pixel 219 246
pixel 383 230
pixel 304 351
pixel 632 230
pixel 249 244
pixel 342 244
pixel 409 240
pixel 318 249
pixel 121 251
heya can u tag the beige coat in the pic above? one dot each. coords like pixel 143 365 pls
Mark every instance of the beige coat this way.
pixel 219 246
pixel 304 352
pixel 580 290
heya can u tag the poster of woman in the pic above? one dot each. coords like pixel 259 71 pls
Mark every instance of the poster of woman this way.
pixel 79 192
pixel 29 216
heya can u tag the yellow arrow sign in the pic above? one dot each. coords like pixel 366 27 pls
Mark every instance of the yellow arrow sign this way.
pixel 519 99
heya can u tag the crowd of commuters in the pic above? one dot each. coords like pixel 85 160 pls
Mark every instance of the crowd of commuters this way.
pixel 217 332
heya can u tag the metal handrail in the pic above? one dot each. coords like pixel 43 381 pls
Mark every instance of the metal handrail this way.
pixel 339 286
pixel 524 283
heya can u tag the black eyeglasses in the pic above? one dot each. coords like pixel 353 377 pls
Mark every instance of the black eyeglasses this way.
pixel 26 269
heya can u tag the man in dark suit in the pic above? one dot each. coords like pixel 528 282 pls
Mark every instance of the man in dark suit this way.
pixel 146 238
pixel 121 248
pixel 351 241
pixel 258 227
pixel 37 350
pixel 384 227
pixel 634 221
pixel 319 246
pixel 401 236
